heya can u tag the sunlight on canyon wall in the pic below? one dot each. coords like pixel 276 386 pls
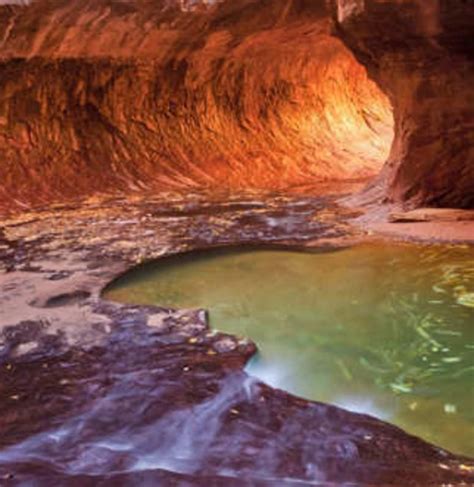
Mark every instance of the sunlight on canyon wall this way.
pixel 107 96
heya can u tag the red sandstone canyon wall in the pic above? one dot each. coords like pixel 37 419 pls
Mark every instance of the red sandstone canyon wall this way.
pixel 421 52
pixel 109 95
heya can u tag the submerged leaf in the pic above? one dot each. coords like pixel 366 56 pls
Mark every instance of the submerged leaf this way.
pixel 405 388
pixel 466 299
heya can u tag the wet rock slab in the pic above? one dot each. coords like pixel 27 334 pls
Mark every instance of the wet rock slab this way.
pixel 98 393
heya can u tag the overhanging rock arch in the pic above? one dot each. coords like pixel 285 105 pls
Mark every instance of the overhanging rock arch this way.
pixel 421 53
pixel 124 96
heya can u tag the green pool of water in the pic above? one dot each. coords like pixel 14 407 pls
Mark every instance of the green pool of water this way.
pixel 383 329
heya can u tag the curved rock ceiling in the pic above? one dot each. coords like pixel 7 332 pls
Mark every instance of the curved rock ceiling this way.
pixel 421 52
pixel 123 96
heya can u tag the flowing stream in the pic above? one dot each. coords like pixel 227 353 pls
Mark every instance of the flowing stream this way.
pixel 383 329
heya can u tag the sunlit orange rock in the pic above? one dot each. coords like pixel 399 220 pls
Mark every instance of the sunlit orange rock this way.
pixel 109 96
pixel 122 96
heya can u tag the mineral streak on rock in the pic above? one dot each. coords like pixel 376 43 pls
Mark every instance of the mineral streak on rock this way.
pixel 120 96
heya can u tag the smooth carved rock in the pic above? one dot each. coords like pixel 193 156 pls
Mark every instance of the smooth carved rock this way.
pixel 421 53
pixel 100 393
pixel 432 215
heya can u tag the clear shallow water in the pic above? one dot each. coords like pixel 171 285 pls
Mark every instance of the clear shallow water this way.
pixel 382 329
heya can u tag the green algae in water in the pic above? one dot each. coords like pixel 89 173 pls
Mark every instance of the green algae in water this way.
pixel 383 329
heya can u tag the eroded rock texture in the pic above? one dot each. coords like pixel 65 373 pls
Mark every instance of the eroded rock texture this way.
pixel 119 96
pixel 421 52
pixel 95 393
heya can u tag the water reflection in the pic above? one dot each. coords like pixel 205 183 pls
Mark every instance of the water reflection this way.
pixel 381 329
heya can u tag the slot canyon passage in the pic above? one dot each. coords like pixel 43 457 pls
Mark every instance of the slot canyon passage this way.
pixel 302 173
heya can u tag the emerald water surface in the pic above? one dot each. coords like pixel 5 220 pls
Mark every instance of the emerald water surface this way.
pixel 382 329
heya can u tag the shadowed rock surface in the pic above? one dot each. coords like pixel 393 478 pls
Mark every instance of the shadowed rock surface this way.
pixel 98 393
pixel 421 53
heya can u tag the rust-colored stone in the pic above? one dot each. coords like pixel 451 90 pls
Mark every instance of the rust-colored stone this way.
pixel 421 53
pixel 109 96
